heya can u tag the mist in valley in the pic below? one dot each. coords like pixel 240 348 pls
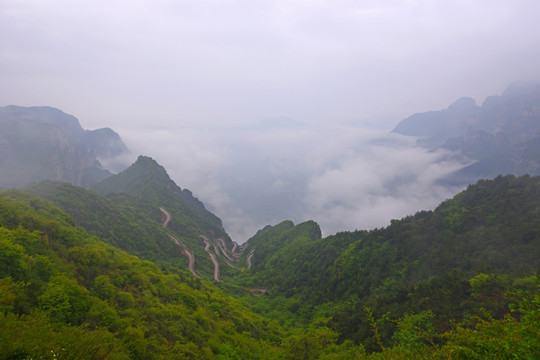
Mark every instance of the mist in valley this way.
pixel 342 176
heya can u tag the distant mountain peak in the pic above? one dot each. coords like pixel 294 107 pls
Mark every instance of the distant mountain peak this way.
pixel 501 136
pixel 44 143
pixel 463 104
pixel 147 161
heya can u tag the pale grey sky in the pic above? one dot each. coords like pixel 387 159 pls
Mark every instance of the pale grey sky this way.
pixel 205 62
pixel 267 100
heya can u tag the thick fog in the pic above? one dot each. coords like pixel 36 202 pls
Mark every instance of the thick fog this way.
pixel 344 177
pixel 271 110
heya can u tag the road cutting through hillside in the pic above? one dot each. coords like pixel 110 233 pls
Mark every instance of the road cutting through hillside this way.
pixel 223 248
pixel 167 217
pixel 188 253
pixel 220 249
pixel 248 259
pixel 212 257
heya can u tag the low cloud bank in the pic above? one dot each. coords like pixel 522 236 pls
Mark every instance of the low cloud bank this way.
pixel 342 176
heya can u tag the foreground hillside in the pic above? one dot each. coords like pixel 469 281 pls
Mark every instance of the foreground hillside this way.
pixel 109 277
pixel 65 292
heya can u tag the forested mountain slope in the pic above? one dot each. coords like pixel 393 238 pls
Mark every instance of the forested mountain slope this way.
pixel 388 293
pixel 420 263
pixel 66 294
pixel 492 226
pixel 121 220
pixel 130 214
pixel 149 181
pixel 199 232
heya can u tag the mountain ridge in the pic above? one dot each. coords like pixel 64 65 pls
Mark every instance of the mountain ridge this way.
pixel 44 143
pixel 136 267
pixel 498 138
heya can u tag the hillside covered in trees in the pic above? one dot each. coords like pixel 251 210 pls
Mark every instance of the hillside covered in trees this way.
pixel 85 275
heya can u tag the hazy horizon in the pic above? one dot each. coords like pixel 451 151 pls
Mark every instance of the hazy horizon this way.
pixel 343 177
pixel 269 110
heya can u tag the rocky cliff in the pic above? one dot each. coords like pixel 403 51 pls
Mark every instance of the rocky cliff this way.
pixel 44 143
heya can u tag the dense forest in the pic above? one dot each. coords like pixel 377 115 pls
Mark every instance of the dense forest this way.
pixel 97 275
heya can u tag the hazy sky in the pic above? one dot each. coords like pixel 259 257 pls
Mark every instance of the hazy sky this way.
pixel 262 107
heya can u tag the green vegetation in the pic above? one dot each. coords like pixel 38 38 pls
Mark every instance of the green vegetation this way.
pixel 443 267
pixel 89 297
pixel 86 276
pixel 121 220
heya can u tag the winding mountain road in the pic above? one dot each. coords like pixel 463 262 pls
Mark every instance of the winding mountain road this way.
pixel 219 249
pixel 248 259
pixel 167 217
pixel 212 257
pixel 188 253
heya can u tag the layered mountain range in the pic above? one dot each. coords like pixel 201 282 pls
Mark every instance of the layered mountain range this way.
pixel 132 266
pixel 502 136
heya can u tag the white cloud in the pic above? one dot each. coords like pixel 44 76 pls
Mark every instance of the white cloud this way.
pixel 376 185
pixel 343 177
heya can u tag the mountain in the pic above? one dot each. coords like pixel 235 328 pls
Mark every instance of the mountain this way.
pixel 135 267
pixel 500 137
pixel 435 127
pixel 149 181
pixel 66 294
pixel 492 226
pixel 395 290
pixel 44 143
pixel 119 220
pixel 420 263
pixel 199 232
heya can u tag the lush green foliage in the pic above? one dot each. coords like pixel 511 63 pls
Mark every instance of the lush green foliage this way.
pixel 435 261
pixel 94 297
pixel 121 220
pixel 149 181
pixel 457 282
pixel 141 189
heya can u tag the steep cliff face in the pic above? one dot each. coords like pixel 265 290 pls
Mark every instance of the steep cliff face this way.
pixel 43 143
pixel 501 122
pixel 500 137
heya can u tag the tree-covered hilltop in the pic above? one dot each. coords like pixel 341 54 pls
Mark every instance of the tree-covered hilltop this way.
pixel 147 186
pixel 148 180
pixel 493 226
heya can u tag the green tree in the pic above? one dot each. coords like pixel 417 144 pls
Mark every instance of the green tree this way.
pixel 65 300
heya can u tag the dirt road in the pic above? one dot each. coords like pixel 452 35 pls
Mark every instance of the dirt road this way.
pixel 188 253
pixel 212 257
pixel 248 259
pixel 220 249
